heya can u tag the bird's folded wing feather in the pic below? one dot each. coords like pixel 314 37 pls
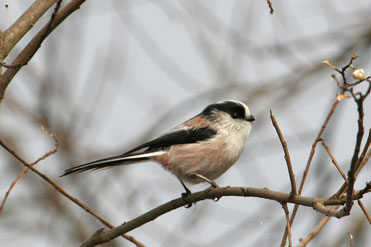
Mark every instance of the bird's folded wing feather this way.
pixel 176 137
pixel 152 148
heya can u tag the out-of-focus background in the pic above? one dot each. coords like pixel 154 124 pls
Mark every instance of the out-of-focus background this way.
pixel 117 73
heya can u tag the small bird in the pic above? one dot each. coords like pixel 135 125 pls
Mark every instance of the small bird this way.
pixel 199 150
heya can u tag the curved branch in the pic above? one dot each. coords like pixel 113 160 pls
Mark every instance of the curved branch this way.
pixel 100 236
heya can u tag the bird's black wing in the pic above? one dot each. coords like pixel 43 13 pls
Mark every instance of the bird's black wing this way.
pixel 152 148
pixel 180 136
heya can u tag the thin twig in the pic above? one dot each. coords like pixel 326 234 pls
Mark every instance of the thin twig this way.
pixel 316 230
pixel 270 7
pixel 63 192
pixel 288 227
pixel 287 154
pixel 350 239
pixel 24 171
pixel 365 148
pixel 333 160
pixel 364 211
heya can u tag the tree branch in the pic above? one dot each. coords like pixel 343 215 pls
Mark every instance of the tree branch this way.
pixel 63 192
pixel 27 53
pixel 101 237
pixel 25 22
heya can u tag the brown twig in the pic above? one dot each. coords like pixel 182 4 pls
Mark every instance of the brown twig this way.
pixel 288 227
pixel 350 239
pixel 333 159
pixel 365 149
pixel 270 7
pixel 364 211
pixel 24 171
pixel 63 192
pixel 287 154
pixel 316 230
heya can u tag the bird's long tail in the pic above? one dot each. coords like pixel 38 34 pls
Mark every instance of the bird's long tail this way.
pixel 124 159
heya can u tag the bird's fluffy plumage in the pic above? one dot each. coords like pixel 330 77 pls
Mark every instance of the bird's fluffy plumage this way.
pixel 206 145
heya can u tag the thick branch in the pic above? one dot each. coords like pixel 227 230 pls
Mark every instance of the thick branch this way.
pixel 24 23
pixel 32 47
pixel 100 237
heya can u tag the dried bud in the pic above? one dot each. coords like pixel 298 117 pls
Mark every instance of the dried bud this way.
pixel 327 62
pixel 359 74
pixel 340 96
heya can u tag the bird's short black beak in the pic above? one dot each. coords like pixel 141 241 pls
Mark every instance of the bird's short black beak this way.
pixel 250 118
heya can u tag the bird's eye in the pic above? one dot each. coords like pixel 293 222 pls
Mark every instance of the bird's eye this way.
pixel 234 115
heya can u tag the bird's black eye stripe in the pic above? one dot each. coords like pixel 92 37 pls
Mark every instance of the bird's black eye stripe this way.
pixel 235 110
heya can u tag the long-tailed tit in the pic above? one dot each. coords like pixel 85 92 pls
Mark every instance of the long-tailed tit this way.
pixel 199 150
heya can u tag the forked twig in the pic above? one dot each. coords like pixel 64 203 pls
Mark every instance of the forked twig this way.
pixel 63 192
pixel 24 171
pixel 357 162
pixel 309 162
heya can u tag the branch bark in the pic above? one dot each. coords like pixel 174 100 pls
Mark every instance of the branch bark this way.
pixel 25 22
